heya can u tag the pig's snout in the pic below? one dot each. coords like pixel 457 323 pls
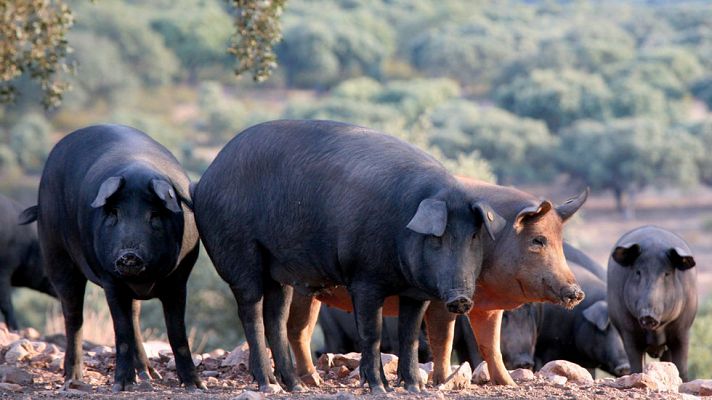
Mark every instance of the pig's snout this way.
pixel 525 362
pixel 571 295
pixel 459 305
pixel 129 264
pixel 622 370
pixel 648 322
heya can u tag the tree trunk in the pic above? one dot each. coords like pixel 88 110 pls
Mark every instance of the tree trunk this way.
pixel 618 193
pixel 629 213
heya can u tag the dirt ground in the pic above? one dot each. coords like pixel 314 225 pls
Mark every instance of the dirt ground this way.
pixel 231 382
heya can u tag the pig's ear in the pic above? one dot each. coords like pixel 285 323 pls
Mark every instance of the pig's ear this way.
pixel 28 215
pixel 597 314
pixel 532 213
pixel 626 254
pixel 681 259
pixel 493 222
pixel 570 206
pixel 430 219
pixel 165 192
pixel 107 189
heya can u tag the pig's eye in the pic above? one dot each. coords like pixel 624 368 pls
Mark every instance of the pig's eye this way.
pixel 637 272
pixel 436 241
pixel 539 241
pixel 667 273
pixel 155 219
pixel 112 215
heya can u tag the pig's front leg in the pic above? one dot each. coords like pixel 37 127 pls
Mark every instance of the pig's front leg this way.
pixel 410 318
pixel 487 325
pixel 440 324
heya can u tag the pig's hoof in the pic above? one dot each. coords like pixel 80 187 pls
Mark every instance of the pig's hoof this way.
pixel 412 388
pixel 121 386
pixel 297 389
pixel 378 390
pixel 195 388
pixel 145 386
pixel 76 384
pixel 271 388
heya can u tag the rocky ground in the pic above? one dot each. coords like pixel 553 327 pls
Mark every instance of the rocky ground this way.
pixel 31 368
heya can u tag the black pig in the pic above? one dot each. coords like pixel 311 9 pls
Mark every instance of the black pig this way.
pixel 318 204
pixel 576 256
pixel 583 335
pixel 20 262
pixel 341 335
pixel 652 295
pixel 113 208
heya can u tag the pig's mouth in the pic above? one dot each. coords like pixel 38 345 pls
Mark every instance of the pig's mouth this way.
pixel 567 297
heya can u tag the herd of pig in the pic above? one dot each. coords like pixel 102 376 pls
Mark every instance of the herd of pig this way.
pixel 298 213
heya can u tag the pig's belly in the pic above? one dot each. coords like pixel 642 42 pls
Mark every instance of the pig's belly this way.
pixel 306 280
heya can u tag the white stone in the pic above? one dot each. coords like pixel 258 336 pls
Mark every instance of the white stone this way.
pixel 666 374
pixel 19 350
pixel 153 347
pixel 390 363
pixel 459 378
pixel 571 371
pixel 481 374
pixel 522 375
pixel 700 387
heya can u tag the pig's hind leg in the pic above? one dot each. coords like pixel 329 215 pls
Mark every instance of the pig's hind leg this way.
pixel 144 371
pixel 242 268
pixel 70 285
pixel 6 295
pixel 276 310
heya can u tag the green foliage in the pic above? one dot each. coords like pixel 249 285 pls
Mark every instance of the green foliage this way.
pixel 103 76
pixel 518 149
pixel 470 165
pixel 557 97
pixel 702 131
pixel 33 43
pixel 197 31
pixel 29 140
pixel 8 162
pixel 322 47
pixel 702 89
pixel 141 49
pixel 700 358
pixel 415 97
pixel 257 31
pixel 471 53
pixel 393 106
pixel 363 88
pixel 628 154
pixel 222 117
pixel 154 126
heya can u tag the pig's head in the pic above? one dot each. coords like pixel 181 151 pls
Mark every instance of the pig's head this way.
pixel 526 263
pixel 654 289
pixel 442 249
pixel 520 329
pixel 600 340
pixel 138 226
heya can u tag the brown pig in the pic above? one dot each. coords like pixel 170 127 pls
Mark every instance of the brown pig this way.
pixel 524 263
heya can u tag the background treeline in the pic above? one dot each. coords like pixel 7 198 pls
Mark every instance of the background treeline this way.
pixel 614 95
